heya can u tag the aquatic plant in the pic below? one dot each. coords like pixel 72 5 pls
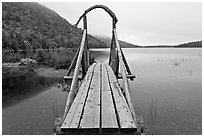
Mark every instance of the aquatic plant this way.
pixel 152 113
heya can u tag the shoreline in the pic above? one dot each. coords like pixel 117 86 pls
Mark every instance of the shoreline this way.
pixel 50 72
pixel 44 71
pixel 21 82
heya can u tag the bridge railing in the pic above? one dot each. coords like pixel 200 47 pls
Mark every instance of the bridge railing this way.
pixel 123 69
pixel 81 61
pixel 116 60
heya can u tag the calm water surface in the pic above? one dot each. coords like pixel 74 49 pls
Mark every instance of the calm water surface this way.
pixel 168 89
pixel 167 93
pixel 33 113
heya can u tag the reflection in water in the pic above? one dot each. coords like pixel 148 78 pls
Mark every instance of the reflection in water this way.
pixel 31 103
pixel 152 109
pixel 34 115
pixel 18 86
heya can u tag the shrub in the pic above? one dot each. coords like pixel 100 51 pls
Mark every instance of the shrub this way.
pixel 11 57
pixel 62 59
pixel 58 59
pixel 41 57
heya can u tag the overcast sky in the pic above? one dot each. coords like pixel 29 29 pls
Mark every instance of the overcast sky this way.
pixel 139 23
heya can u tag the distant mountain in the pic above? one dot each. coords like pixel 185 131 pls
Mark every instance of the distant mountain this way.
pixel 159 46
pixel 196 44
pixel 123 44
pixel 107 40
pixel 31 25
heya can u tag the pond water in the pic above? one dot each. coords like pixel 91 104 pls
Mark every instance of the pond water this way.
pixel 28 104
pixel 167 93
pixel 168 89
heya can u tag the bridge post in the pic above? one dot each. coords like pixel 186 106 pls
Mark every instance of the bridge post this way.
pixel 114 23
pixel 85 59
pixel 113 59
pixel 85 22
pixel 86 44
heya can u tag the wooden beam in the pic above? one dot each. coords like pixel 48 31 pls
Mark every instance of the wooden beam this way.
pixel 91 115
pixel 72 119
pixel 113 59
pixel 84 61
pixel 85 22
pixel 128 76
pixel 71 77
pixel 108 117
pixel 124 116
pixel 115 20
pixel 126 65
pixel 88 54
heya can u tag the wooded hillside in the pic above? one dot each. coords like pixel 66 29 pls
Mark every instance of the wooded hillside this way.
pixel 31 26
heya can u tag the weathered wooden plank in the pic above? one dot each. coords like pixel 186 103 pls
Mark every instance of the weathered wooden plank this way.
pixel 71 77
pixel 91 115
pixel 123 113
pixel 108 112
pixel 79 110
pixel 71 119
pixel 77 98
pixel 90 71
pixel 130 76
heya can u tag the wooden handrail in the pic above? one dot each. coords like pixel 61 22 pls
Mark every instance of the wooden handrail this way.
pixel 73 88
pixel 115 20
pixel 124 77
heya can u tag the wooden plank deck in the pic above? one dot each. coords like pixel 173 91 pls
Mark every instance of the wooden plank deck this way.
pixel 109 120
pixel 124 115
pixel 91 115
pixel 99 106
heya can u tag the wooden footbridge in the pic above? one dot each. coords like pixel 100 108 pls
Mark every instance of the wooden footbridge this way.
pixel 96 102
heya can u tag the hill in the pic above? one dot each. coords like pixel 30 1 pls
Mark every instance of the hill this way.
pixel 196 44
pixel 123 44
pixel 27 25
pixel 159 46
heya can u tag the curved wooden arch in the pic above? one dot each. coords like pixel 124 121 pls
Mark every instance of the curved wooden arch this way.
pixel 115 20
